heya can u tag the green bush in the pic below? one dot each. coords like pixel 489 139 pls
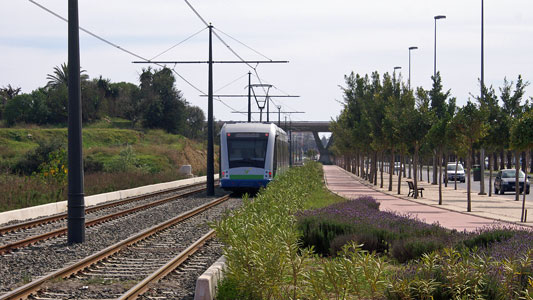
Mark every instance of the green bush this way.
pixel 30 163
pixel 485 239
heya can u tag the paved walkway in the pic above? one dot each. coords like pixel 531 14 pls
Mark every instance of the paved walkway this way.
pixel 487 211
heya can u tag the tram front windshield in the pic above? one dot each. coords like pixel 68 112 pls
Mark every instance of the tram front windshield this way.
pixel 247 149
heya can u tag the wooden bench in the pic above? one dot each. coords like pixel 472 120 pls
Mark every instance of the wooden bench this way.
pixel 412 189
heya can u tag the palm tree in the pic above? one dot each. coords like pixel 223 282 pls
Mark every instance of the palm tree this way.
pixel 60 76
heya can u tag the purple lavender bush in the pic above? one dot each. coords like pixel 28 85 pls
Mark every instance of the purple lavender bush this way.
pixel 360 220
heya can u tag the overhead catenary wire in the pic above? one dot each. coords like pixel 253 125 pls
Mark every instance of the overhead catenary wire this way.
pixel 228 46
pixel 236 40
pixel 125 50
pixel 88 32
pixel 232 82
pixel 188 38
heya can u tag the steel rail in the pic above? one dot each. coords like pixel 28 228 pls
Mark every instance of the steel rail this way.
pixel 26 290
pixel 144 285
pixel 58 232
pixel 50 219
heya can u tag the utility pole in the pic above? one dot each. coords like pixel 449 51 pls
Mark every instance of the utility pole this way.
pixel 210 129
pixel 210 95
pixel 76 201
pixel 249 97
pixel 482 150
pixel 279 116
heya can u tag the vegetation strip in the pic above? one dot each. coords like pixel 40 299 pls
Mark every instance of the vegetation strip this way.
pixel 26 290
pixel 285 246
pixel 34 239
pixel 143 286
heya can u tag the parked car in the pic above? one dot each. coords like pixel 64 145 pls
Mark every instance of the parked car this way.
pixel 506 181
pixel 397 166
pixel 450 172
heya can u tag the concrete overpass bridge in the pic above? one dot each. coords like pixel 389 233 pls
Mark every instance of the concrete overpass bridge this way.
pixel 310 126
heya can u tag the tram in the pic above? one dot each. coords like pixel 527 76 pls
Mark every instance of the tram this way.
pixel 251 155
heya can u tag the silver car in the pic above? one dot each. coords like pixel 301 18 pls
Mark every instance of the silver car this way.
pixel 450 172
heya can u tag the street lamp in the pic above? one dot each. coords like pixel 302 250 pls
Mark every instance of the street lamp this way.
pixel 396 68
pixel 482 83
pixel 410 48
pixel 435 53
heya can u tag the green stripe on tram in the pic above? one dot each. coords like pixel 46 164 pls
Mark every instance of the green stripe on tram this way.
pixel 246 177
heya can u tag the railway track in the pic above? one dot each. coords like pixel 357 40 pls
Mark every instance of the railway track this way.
pixel 27 233
pixel 113 270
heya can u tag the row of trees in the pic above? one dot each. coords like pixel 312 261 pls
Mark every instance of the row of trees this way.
pixel 154 103
pixel 383 119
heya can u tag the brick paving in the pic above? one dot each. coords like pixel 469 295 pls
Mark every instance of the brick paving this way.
pixel 453 215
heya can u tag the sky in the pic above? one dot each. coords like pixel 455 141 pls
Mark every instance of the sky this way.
pixel 322 40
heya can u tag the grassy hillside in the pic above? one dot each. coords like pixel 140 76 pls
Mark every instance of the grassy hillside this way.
pixel 32 158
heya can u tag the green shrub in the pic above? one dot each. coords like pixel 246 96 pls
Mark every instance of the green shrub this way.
pixel 485 239
pixel 407 249
pixel 30 163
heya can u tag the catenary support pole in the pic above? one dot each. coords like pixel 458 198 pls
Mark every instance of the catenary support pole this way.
pixel 76 202
pixel 249 97
pixel 210 138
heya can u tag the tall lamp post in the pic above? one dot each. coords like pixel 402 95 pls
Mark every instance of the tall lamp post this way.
pixel 435 48
pixel 434 76
pixel 482 83
pixel 409 82
pixel 396 68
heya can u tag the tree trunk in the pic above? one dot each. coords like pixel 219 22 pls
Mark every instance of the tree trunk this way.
pixel 482 170
pixel 440 178
pixel 410 160
pixel 391 166
pixel 455 177
pixel 375 163
pixel 445 163
pixel 415 164
pixel 490 174
pixel 523 218
pixel 524 164
pixel 517 167
pixel 468 168
pixel 434 169
pixel 403 157
pixel 421 167
pixel 428 171
pixel 400 175
pixel 381 168
pixel 509 159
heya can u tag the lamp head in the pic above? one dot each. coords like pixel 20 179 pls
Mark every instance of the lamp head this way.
pixel 440 17
pixel 413 48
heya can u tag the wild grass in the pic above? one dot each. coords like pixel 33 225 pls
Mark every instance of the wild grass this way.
pixel 113 159
pixel 19 192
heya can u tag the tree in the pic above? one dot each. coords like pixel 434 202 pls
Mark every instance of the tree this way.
pixel 470 126
pixel 495 133
pixel 6 93
pixel 416 126
pixel 442 109
pixel 195 122
pixel 164 105
pixel 522 140
pixel 60 76
pixel 511 107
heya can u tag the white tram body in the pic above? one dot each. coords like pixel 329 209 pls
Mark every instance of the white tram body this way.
pixel 251 155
